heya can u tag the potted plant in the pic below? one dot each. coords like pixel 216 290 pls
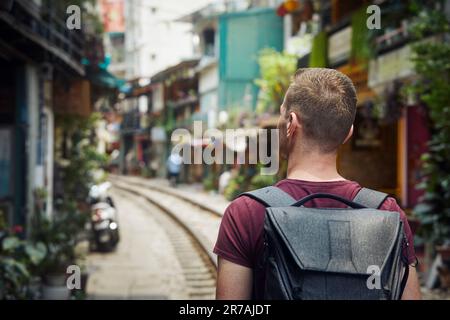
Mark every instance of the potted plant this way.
pixel 60 237
pixel 13 273
pixel 54 271
pixel 35 253
pixel 18 262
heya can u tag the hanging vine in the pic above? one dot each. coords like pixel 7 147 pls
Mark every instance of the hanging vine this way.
pixel 432 64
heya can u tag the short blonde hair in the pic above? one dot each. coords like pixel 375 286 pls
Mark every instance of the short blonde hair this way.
pixel 325 101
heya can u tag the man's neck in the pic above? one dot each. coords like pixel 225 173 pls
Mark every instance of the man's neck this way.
pixel 313 166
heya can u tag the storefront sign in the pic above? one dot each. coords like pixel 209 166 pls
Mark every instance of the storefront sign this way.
pixel 391 66
pixel 75 101
pixel 339 46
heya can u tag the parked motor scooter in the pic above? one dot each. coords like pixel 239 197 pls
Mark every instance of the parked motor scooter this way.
pixel 104 224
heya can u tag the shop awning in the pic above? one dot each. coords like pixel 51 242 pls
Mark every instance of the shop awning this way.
pixel 103 78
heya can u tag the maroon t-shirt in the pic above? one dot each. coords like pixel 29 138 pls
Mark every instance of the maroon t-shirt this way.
pixel 240 238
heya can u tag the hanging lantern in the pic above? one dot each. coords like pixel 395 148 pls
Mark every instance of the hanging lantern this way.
pixel 291 5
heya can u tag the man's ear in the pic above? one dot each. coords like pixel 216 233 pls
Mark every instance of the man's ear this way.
pixel 349 135
pixel 293 124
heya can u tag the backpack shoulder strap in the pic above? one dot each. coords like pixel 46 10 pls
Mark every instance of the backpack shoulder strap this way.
pixel 275 197
pixel 370 198
pixel 270 197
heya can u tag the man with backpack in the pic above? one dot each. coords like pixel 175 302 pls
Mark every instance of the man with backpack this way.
pixel 341 241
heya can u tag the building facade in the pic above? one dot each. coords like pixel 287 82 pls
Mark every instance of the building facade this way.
pixel 37 73
pixel 154 40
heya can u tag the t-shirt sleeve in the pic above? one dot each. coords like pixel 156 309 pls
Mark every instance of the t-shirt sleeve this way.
pixel 391 205
pixel 234 239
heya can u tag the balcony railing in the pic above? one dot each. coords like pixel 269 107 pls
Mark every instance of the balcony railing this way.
pixel 42 27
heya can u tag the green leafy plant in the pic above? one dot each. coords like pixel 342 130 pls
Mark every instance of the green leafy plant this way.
pixel 169 120
pixel 209 183
pixel 261 181
pixel 248 179
pixel 362 38
pixel 276 70
pixel 19 261
pixel 235 187
pixel 432 64
pixel 60 236
pixel 83 158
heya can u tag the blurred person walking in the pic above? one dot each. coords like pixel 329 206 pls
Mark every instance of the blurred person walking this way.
pixel 173 164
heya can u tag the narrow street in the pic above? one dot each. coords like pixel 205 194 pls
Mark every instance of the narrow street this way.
pixel 155 259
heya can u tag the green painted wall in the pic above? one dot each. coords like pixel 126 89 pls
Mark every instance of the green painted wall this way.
pixel 241 36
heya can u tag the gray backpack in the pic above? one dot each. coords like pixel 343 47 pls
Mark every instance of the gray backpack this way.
pixel 329 254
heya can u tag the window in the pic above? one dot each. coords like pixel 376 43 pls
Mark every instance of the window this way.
pixel 208 38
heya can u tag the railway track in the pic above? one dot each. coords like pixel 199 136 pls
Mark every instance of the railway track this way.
pixel 191 247
pixel 168 191
pixel 202 223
